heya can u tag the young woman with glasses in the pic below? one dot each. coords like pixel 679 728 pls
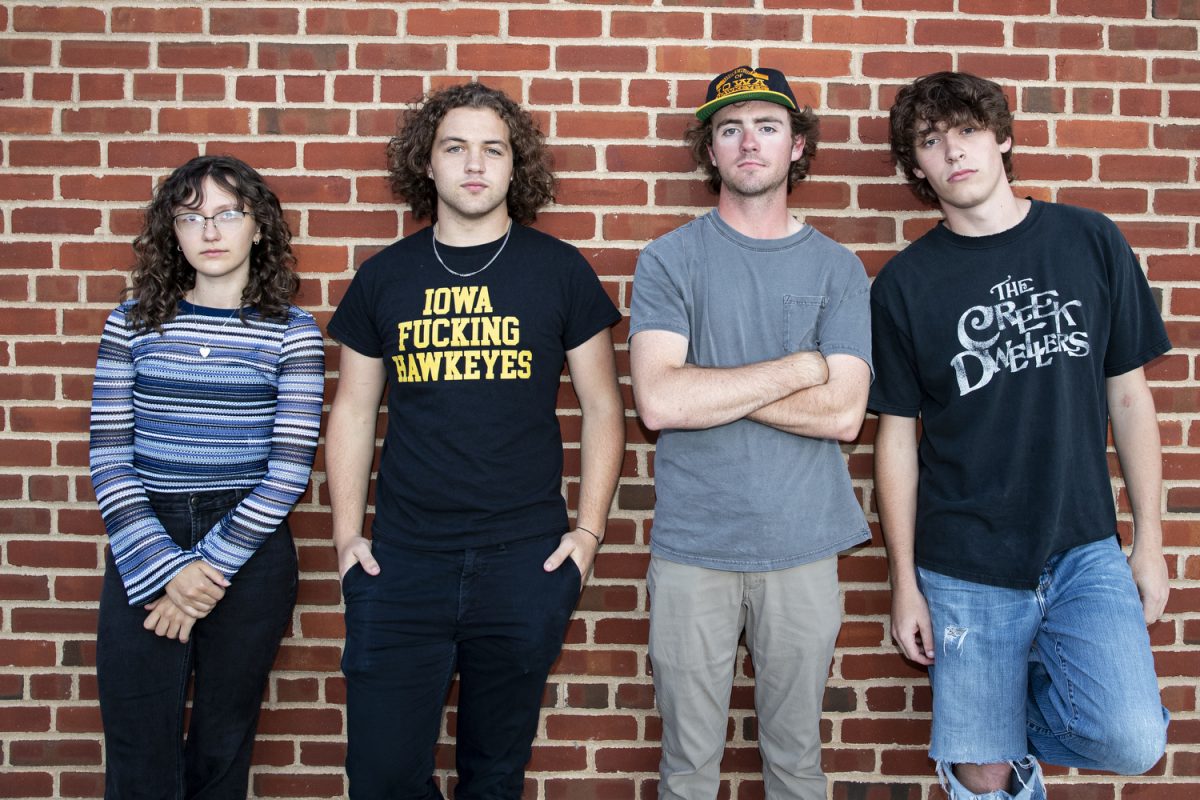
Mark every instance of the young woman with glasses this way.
pixel 205 413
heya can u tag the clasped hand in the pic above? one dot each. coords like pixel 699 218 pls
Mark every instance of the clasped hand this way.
pixel 190 595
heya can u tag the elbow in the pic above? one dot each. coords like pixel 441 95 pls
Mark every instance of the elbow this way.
pixel 850 417
pixel 848 433
pixel 645 403
pixel 606 419
pixel 848 425
pixel 651 418
pixel 654 414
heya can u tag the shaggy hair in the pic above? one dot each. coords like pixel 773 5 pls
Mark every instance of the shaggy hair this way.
pixel 409 152
pixel 945 99
pixel 161 275
pixel 804 123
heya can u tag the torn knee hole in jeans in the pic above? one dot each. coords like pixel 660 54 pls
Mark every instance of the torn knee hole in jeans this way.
pixel 954 636
pixel 1025 783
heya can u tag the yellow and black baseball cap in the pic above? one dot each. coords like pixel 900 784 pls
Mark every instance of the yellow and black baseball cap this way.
pixel 741 84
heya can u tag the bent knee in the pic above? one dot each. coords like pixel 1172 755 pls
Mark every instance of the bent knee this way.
pixel 1137 747
pixel 1137 761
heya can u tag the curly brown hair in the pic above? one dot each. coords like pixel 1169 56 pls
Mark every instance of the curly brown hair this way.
pixel 945 99
pixel 409 151
pixel 804 123
pixel 161 275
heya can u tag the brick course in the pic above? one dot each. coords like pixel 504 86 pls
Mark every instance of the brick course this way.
pixel 102 100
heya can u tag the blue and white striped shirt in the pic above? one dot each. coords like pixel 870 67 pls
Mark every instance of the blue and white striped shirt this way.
pixel 209 403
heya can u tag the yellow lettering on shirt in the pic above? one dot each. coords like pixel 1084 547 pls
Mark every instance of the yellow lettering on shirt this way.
pixel 459 337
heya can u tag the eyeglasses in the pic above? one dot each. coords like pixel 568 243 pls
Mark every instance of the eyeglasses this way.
pixel 229 220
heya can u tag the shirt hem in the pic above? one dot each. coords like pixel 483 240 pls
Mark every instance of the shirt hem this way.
pixel 769 565
pixel 607 322
pixel 1004 582
pixel 896 411
pixel 1140 360
pixel 656 326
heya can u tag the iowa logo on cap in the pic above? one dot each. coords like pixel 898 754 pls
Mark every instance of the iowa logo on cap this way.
pixel 743 83
pixel 740 80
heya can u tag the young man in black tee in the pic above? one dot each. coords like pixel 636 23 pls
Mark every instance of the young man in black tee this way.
pixel 471 566
pixel 1015 331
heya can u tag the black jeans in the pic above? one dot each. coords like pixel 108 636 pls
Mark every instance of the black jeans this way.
pixel 495 615
pixel 143 678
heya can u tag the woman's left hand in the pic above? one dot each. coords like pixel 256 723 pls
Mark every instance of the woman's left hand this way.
pixel 169 620
pixel 196 588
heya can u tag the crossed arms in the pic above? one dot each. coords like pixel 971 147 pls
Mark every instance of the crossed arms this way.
pixel 801 393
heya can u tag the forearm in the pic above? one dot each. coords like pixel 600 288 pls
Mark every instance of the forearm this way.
pixel 145 554
pixel 1139 448
pixel 349 450
pixel 601 448
pixel 593 372
pixel 350 442
pixel 685 396
pixel 235 538
pixel 832 410
pixel 896 496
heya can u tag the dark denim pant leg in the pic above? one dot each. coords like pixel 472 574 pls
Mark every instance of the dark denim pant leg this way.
pixel 492 612
pixel 514 617
pixel 142 683
pixel 143 678
pixel 398 659
pixel 235 648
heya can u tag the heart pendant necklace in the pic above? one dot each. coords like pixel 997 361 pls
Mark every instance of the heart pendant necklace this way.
pixel 204 348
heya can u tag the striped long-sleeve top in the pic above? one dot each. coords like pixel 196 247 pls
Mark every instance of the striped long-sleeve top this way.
pixel 209 403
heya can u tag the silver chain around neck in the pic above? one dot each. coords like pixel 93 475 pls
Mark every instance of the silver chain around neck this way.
pixel 438 256
pixel 204 348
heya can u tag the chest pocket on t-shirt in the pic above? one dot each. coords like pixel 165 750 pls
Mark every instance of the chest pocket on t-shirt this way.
pixel 800 315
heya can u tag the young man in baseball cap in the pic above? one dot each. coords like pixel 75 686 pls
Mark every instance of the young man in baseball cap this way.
pixel 751 353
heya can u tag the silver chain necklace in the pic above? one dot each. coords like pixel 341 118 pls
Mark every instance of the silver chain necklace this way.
pixel 204 348
pixel 438 256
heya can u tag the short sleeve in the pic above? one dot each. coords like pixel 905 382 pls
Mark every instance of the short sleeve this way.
pixel 1137 334
pixel 589 308
pixel 658 300
pixel 847 327
pixel 896 389
pixel 353 323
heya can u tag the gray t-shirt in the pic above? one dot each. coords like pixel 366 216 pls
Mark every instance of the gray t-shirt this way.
pixel 745 496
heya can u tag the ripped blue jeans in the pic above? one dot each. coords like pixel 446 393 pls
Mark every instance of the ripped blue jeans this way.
pixel 1062 673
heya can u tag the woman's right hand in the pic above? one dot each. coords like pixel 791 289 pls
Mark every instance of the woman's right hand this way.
pixel 196 588
pixel 169 620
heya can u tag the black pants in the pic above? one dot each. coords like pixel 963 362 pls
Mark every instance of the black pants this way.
pixel 491 613
pixel 143 678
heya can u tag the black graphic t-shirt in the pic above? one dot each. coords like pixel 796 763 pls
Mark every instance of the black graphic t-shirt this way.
pixel 473 452
pixel 1002 345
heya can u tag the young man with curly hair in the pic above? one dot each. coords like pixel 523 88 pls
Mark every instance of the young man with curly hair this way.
pixel 472 565
pixel 750 347
pixel 1016 331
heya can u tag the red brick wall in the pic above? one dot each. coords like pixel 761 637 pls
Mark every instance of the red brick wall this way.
pixel 101 101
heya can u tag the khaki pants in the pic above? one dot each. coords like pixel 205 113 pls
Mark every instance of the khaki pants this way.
pixel 791 618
